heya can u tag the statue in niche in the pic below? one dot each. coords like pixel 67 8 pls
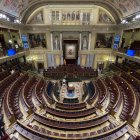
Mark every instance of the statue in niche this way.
pixel 63 16
pixel 38 39
pixel 68 16
pixel 77 15
pixel 73 15
pixel 84 16
pixel 57 15
pixel 85 43
pixel 53 15
pixel 56 43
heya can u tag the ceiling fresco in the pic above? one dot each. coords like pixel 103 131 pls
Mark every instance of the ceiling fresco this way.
pixel 15 7
pixel 127 7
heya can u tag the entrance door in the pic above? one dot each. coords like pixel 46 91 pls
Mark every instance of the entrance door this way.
pixel 70 51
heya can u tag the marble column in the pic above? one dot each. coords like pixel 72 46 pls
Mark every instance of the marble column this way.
pixel 80 45
pixel 93 40
pixel 81 17
pixel 78 60
pixel 87 61
pixel 95 63
pixel 49 60
pixel 89 41
pixel 53 60
pixel 60 41
pixel 60 17
pixel 51 41
pixel 46 16
pixel 62 61
pixel 45 61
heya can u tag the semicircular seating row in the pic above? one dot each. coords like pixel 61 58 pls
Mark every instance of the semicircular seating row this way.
pixel 25 88
pixel 71 71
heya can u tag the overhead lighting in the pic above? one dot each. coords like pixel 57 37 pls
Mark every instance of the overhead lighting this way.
pixel 124 21
pixel 137 16
pixel 17 21
pixel 3 16
pixel 8 18
pixel 134 19
pixel 10 41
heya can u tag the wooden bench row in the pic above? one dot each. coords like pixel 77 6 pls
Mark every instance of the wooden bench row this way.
pixel 128 97
pixel 27 94
pixel 4 74
pixel 73 106
pixel 47 95
pixel 92 91
pixel 135 74
pixel 11 106
pixel 131 80
pixel 37 133
pixel 70 114
pixel 70 71
pixel 5 85
pixel 39 91
pixel 115 97
pixel 70 125
pixel 102 91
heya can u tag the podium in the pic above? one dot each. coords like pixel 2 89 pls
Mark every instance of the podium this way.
pixel 70 88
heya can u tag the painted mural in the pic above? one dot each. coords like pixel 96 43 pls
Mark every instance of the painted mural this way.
pixel 37 40
pixel 104 40
pixel 104 18
pixel 127 7
pixel 70 52
pixel 37 19
pixel 13 6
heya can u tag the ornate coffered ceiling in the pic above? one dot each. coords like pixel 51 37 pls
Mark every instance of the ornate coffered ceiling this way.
pixel 23 8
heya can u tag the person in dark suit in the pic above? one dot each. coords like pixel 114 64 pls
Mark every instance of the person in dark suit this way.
pixel 2 130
